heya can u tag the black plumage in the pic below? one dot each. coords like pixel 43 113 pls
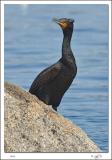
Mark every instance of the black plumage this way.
pixel 51 84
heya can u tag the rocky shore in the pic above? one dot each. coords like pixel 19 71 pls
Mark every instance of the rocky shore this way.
pixel 32 126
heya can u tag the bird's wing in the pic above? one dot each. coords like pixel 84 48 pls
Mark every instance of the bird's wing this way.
pixel 46 76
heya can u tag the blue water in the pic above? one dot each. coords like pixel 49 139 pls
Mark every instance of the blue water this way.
pixel 33 42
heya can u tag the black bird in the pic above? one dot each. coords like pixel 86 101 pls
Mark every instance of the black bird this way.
pixel 51 84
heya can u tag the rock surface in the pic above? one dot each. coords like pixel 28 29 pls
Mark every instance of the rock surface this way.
pixel 32 126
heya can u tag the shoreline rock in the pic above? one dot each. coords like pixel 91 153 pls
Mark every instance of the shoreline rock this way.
pixel 32 126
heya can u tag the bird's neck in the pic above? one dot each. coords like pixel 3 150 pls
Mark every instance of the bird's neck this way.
pixel 66 46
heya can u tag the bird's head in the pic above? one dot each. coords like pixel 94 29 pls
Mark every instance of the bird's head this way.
pixel 65 24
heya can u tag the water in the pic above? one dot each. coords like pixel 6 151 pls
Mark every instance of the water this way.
pixel 33 42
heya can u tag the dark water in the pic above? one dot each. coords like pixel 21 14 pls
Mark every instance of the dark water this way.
pixel 33 42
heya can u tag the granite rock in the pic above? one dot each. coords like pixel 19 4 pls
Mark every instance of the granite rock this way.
pixel 32 126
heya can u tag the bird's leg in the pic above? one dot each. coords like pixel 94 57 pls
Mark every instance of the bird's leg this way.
pixel 55 108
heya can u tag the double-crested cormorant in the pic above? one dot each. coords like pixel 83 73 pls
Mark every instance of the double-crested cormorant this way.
pixel 51 84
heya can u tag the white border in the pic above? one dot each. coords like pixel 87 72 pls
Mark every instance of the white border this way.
pixel 51 155
pixel 57 2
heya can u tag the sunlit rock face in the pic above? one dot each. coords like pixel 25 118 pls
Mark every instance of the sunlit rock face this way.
pixel 32 126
